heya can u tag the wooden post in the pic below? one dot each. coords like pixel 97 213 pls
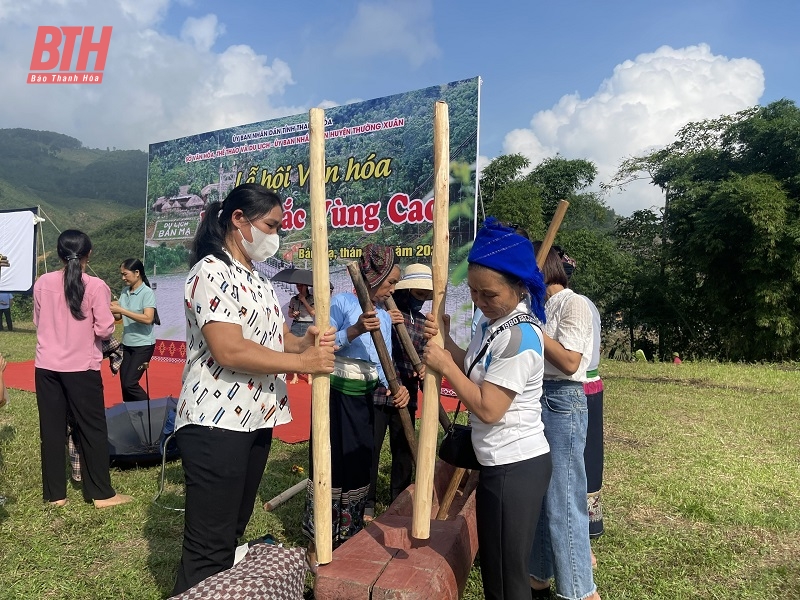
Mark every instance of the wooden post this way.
pixel 320 384
pixel 408 346
pixel 450 493
pixel 383 355
pixel 423 496
pixel 547 242
pixel 285 495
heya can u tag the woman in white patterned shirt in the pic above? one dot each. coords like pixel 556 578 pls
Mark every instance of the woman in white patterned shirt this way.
pixel 234 385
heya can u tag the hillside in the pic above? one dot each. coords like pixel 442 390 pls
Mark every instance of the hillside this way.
pixel 101 192
pixel 58 168
pixel 75 186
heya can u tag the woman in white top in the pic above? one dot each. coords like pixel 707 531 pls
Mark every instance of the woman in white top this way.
pixel 499 379
pixel 561 548
pixel 234 386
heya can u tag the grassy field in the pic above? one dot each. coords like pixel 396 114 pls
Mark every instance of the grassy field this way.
pixel 702 479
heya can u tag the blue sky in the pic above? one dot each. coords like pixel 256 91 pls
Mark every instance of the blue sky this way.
pixel 586 79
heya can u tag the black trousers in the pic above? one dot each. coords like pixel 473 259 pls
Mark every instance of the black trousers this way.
pixel 388 417
pixel 593 453
pixel 7 313
pixel 80 394
pixel 134 357
pixel 508 501
pixel 223 470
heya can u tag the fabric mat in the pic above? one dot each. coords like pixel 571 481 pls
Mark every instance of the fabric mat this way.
pixel 266 573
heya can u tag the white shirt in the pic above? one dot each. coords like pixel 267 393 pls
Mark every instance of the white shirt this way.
pixel 569 322
pixel 514 360
pixel 211 394
pixel 594 363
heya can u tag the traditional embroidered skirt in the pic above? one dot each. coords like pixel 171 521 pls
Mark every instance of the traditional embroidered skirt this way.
pixel 351 425
pixel 593 455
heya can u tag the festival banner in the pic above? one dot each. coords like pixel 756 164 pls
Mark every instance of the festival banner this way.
pixel 379 188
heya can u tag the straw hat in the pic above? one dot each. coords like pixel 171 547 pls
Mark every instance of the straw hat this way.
pixel 416 277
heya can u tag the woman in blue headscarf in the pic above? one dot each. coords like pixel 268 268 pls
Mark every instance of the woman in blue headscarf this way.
pixel 499 379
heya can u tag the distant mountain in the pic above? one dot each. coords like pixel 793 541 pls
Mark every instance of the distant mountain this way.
pixel 58 169
pixel 101 192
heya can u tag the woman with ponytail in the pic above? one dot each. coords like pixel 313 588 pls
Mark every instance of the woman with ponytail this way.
pixel 136 309
pixel 238 350
pixel 72 318
pixel 561 549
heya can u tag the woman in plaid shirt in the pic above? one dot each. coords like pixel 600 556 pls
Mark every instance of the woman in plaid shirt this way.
pixel 411 292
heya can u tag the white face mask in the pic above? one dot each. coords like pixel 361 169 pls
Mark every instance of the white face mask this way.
pixel 263 245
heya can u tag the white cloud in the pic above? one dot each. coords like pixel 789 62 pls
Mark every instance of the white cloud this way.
pixel 155 87
pixel 640 107
pixel 203 32
pixel 396 27
pixel 13 10
pixel 144 12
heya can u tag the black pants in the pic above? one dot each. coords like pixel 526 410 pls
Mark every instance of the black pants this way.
pixel 508 501
pixel 134 357
pixel 402 459
pixel 7 313
pixel 81 394
pixel 223 470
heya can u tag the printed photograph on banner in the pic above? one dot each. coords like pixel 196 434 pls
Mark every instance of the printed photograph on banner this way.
pixel 378 180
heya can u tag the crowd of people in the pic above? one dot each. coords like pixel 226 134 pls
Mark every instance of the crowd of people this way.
pixel 529 379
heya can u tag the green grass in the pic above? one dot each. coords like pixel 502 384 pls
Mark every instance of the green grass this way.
pixel 700 495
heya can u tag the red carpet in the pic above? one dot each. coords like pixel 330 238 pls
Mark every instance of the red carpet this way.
pixel 165 380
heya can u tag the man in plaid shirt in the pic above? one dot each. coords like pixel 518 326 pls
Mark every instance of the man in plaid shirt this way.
pixel 411 292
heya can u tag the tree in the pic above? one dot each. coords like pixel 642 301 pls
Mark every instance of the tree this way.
pixel 586 231
pixel 558 179
pixel 730 233
pixel 518 203
pixel 499 173
pixel 638 238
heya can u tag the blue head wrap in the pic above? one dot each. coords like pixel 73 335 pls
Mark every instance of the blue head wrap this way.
pixel 500 248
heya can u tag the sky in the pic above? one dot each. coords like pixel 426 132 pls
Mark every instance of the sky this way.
pixel 600 81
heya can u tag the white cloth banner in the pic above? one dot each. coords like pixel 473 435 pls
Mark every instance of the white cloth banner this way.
pixel 18 244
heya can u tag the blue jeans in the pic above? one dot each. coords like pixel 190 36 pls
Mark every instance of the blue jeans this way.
pixel 561 546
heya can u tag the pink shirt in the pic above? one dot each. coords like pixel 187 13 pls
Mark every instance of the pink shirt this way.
pixel 63 343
